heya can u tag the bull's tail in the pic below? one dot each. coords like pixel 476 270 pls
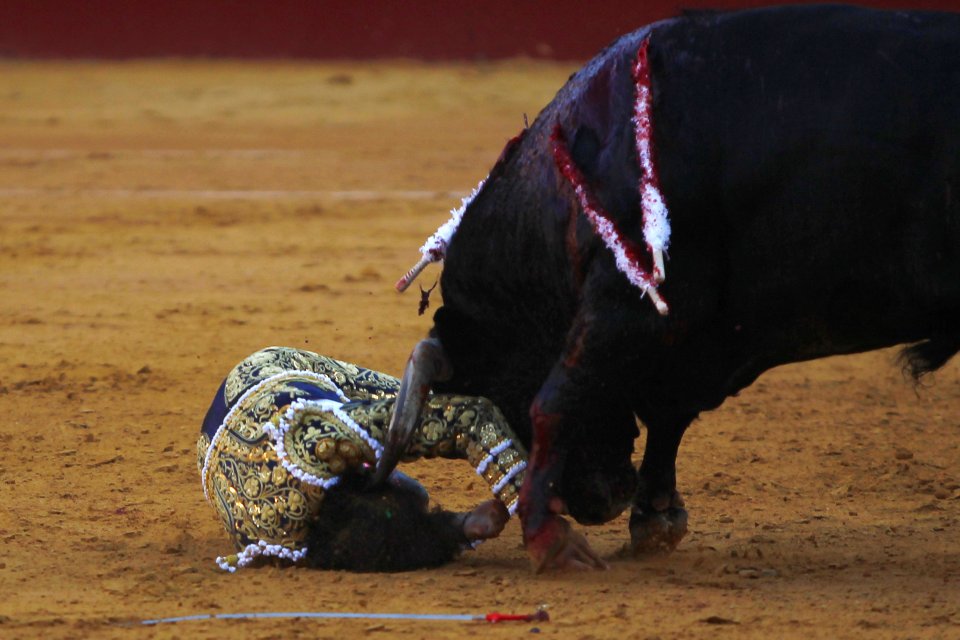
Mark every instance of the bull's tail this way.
pixel 387 528
pixel 929 355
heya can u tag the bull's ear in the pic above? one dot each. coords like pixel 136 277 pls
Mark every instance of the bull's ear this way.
pixel 427 364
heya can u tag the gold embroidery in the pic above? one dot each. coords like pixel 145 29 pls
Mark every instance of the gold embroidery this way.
pixel 255 497
pixel 203 443
pixel 356 383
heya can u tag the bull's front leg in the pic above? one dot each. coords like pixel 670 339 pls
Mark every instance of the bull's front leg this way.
pixel 658 520
pixel 550 541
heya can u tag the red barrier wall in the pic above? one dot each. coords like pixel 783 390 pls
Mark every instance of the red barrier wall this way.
pixel 426 29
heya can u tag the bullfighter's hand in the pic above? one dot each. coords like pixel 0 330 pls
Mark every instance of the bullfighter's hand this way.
pixel 486 521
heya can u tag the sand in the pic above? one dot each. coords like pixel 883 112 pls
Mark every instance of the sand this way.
pixel 159 221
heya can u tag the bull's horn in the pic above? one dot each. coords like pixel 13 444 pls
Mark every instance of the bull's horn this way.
pixel 427 364
pixel 412 274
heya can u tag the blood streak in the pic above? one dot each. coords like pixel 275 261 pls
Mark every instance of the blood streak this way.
pixel 628 256
pixel 570 239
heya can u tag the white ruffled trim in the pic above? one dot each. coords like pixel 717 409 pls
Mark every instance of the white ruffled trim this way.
pixel 505 480
pixel 608 232
pixel 656 221
pixel 435 248
pixel 497 450
pixel 278 435
pixel 510 475
pixel 246 394
pixel 289 418
pixel 606 229
pixel 261 548
pixel 484 464
pixel 500 448
pixel 656 224
pixel 330 405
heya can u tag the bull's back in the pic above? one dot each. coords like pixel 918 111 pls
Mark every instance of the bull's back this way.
pixel 811 155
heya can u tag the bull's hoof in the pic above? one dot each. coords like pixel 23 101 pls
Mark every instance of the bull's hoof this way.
pixel 656 533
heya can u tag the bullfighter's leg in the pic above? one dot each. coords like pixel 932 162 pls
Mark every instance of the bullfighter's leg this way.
pixel 658 520
pixel 550 541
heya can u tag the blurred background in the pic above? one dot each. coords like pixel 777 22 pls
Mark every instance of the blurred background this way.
pixel 341 29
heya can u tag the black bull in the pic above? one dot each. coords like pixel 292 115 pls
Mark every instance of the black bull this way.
pixel 810 161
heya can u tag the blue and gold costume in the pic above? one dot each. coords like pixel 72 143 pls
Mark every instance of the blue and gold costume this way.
pixel 287 424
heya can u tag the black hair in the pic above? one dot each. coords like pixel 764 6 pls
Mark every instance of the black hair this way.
pixel 387 528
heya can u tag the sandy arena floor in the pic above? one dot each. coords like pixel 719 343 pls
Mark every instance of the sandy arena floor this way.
pixel 160 221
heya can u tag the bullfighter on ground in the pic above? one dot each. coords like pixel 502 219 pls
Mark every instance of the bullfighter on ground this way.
pixel 285 454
